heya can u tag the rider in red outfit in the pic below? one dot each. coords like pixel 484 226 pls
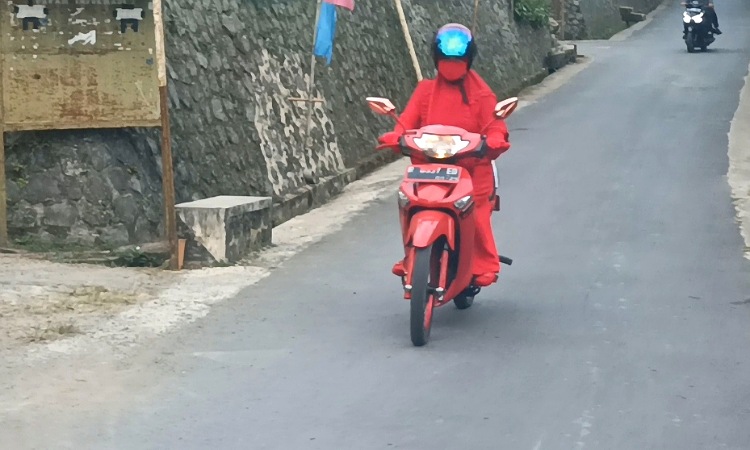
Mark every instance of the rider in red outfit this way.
pixel 460 97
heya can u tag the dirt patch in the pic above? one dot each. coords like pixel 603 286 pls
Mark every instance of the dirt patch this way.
pixel 42 301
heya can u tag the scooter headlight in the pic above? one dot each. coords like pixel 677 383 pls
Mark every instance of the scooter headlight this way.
pixel 439 147
pixel 463 203
pixel 686 17
pixel 698 18
pixel 403 200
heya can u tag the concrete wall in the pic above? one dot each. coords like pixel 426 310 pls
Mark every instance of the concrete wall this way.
pixel 232 66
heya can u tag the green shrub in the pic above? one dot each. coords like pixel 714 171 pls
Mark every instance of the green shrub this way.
pixel 533 12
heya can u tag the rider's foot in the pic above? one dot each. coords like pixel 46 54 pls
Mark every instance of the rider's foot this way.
pixel 398 269
pixel 485 279
pixel 717 30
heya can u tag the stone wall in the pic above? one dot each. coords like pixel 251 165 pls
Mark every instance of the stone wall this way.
pixel 602 17
pixel 232 66
pixel 575 23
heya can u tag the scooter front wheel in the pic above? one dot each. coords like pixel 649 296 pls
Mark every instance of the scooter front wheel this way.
pixel 422 299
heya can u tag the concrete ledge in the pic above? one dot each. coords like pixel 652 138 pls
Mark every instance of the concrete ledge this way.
pixel 315 195
pixel 560 58
pixel 628 16
pixel 223 229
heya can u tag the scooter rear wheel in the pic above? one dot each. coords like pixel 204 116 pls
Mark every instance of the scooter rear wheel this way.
pixel 464 300
pixel 422 300
pixel 690 42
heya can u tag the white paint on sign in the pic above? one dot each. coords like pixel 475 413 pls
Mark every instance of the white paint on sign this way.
pixel 85 38
pixel 85 2
pixel 30 12
pixel 132 14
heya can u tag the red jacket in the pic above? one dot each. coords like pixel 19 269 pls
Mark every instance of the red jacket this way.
pixel 438 102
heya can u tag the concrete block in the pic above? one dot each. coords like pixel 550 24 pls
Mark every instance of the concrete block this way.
pixel 224 229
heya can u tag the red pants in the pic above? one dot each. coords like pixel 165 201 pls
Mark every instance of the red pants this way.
pixel 486 259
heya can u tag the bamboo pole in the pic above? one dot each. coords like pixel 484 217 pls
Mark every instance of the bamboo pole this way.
pixel 167 169
pixel 311 81
pixel 409 42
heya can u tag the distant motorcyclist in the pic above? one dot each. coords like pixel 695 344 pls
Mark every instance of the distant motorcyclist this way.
pixel 709 12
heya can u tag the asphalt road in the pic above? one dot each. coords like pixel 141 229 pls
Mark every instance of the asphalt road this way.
pixel 623 324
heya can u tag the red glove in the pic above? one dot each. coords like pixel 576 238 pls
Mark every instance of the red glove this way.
pixel 496 141
pixel 497 144
pixel 389 139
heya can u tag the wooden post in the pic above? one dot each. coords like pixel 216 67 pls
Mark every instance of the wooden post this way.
pixel 3 191
pixel 167 182
pixel 563 19
pixel 3 187
pixel 311 79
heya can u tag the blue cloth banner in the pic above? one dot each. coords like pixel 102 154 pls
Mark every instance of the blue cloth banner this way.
pixel 326 32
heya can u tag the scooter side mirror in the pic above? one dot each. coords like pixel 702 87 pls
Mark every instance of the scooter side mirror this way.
pixel 506 107
pixel 381 106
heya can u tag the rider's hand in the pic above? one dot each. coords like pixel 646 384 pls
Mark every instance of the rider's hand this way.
pixel 496 141
pixel 390 138
pixel 496 145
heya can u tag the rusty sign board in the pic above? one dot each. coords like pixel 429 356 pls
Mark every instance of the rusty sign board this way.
pixel 78 64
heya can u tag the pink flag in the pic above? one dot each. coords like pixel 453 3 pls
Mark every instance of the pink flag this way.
pixel 348 4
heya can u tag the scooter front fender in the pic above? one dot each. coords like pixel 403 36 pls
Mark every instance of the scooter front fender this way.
pixel 426 227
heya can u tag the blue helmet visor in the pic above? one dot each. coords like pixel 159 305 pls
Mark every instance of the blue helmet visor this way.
pixel 453 42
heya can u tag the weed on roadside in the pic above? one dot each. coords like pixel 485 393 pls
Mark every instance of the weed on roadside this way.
pixel 51 332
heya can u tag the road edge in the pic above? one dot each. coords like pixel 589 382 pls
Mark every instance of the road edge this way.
pixel 738 175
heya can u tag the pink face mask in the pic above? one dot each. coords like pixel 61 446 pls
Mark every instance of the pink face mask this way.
pixel 452 69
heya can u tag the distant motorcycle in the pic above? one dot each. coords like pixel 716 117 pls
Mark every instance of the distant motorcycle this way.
pixel 699 32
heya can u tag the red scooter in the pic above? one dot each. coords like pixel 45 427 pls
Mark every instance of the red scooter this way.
pixel 436 214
